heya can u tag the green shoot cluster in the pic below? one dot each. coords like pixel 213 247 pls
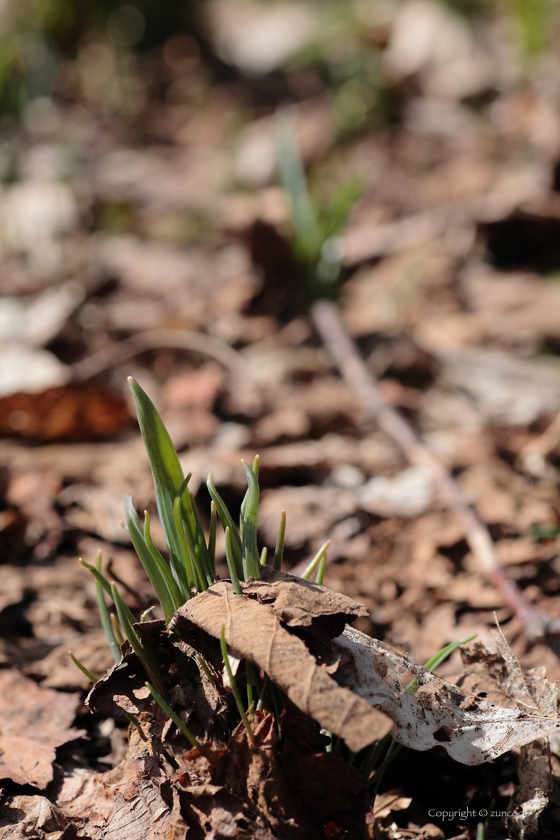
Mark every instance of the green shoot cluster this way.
pixel 191 568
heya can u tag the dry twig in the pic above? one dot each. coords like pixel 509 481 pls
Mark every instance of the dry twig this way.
pixel 355 371
pixel 121 351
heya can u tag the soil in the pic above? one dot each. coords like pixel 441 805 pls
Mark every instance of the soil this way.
pixel 144 233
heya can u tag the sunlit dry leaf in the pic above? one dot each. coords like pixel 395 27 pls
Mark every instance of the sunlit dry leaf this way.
pixel 86 797
pixel 529 691
pixel 31 816
pixel 470 729
pixel 532 791
pixel 300 603
pixel 35 721
pixel 81 412
pixel 391 800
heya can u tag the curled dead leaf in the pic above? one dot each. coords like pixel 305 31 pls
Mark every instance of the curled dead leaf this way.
pixel 257 626
pixel 253 628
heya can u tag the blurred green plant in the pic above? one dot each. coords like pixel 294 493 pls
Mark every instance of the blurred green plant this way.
pixel 537 23
pixel 37 36
pixel 314 224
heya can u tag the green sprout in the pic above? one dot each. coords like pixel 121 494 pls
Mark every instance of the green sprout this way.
pixel 190 569
pixel 182 727
pixel 279 550
pixel 234 687
pixel 82 667
pixel 317 562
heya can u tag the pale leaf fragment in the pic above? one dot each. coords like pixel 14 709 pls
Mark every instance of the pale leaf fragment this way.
pixel 530 690
pixel 471 730
pixel 388 802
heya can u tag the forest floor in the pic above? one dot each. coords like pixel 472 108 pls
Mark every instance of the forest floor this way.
pixel 143 201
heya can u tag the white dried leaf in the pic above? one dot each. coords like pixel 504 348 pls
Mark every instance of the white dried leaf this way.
pixel 531 690
pixel 531 793
pixel 39 319
pixel 234 663
pixel 525 823
pixel 258 38
pixel 471 730
pixel 29 370
pixel 431 41
pixel 409 493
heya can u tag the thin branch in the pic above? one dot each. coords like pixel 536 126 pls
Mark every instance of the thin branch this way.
pixel 121 351
pixel 356 373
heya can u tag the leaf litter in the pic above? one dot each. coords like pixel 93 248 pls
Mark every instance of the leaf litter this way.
pixel 431 300
pixel 350 683
pixel 35 721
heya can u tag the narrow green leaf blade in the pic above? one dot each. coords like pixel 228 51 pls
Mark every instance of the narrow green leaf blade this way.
pixel 212 535
pixel 174 717
pixel 174 589
pixel 249 516
pixel 153 569
pixel 143 652
pixel 104 616
pixel 198 540
pixel 233 683
pixel 187 549
pixel 227 522
pixel 279 550
pixel 82 667
pixel 316 560
pixel 164 461
pixel 231 563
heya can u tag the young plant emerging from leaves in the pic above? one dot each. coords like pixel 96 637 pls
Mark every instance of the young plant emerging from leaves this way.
pixel 190 572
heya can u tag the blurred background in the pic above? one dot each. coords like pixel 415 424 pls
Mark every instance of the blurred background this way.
pixel 143 231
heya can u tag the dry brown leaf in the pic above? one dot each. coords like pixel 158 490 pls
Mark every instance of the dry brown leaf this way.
pixel 255 632
pixel 32 817
pixel 471 730
pixel 59 671
pixel 300 603
pixel 391 800
pixel 311 511
pixel 35 721
pixel 531 794
pixel 85 797
pixel 531 691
